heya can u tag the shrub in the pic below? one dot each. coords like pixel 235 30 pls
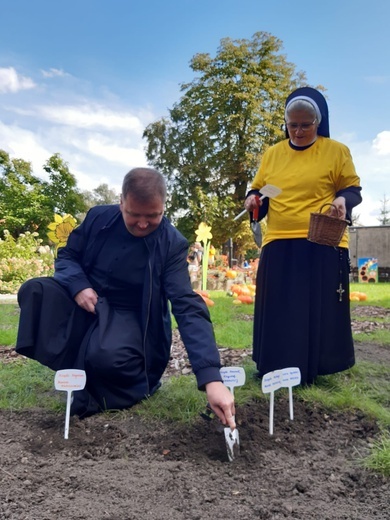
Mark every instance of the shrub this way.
pixel 22 259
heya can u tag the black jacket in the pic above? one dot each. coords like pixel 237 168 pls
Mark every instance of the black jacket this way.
pixel 166 280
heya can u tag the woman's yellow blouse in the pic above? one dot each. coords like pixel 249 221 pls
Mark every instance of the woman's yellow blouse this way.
pixel 308 178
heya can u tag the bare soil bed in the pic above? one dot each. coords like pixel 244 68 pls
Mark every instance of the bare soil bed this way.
pixel 120 467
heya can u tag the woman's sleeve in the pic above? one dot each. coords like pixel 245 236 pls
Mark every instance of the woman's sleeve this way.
pixel 352 198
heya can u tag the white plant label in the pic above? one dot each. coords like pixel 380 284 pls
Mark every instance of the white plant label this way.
pixel 233 376
pixel 284 378
pixel 69 380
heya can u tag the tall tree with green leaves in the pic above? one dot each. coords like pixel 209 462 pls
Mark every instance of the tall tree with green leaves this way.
pixel 212 141
pixel 100 195
pixel 61 189
pixel 28 203
pixel 22 202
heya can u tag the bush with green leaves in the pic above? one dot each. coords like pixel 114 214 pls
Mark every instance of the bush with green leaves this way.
pixel 21 259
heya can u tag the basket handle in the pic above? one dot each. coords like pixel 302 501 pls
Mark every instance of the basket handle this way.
pixel 328 204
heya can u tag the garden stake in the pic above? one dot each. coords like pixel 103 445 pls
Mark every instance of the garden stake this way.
pixel 69 380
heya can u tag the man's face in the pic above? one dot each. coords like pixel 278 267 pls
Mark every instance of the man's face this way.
pixel 141 219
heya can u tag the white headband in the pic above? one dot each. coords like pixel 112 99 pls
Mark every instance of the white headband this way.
pixel 309 100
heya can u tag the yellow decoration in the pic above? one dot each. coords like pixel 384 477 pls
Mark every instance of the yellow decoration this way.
pixel 60 229
pixel 203 234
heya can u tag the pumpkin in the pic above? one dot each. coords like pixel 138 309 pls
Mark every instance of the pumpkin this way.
pixel 231 274
pixel 360 295
pixel 209 302
pixel 237 302
pixel 245 298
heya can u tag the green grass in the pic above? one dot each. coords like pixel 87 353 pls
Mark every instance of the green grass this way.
pixel 377 294
pixel 26 384
pixel 230 330
pixel 365 387
pixel 9 319
pixel 379 459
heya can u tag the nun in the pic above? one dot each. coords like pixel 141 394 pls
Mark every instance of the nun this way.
pixel 302 310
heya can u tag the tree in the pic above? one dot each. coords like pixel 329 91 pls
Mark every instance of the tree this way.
pixel 101 195
pixel 61 190
pixel 22 202
pixel 27 203
pixel 384 218
pixel 227 117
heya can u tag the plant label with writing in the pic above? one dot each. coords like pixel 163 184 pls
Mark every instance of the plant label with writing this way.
pixel 232 377
pixel 69 380
pixel 284 378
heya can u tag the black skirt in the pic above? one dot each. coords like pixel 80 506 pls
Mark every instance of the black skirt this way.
pixel 108 345
pixel 302 311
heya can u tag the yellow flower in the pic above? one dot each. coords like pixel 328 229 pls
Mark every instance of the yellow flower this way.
pixel 60 229
pixel 203 233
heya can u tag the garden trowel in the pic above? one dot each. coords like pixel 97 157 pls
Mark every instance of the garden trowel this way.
pixel 269 190
pixel 232 439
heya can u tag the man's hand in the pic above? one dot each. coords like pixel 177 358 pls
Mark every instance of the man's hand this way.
pixel 221 401
pixel 87 299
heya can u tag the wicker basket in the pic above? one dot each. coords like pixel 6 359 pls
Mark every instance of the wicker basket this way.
pixel 325 229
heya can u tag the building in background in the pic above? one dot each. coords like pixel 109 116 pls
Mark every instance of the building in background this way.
pixel 367 244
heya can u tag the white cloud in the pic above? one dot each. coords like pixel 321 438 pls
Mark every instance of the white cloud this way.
pixel 11 81
pixel 51 73
pixel 89 116
pixel 381 143
pixel 23 144
pixel 372 161
pixel 123 155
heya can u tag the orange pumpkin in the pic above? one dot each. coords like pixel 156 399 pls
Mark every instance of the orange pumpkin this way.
pixel 231 274
pixel 209 302
pixel 245 298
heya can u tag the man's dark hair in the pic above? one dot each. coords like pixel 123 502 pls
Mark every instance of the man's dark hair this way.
pixel 144 184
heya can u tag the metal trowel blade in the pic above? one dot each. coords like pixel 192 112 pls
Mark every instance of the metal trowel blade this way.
pixel 232 443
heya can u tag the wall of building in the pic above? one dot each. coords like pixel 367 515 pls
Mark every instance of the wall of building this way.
pixel 371 242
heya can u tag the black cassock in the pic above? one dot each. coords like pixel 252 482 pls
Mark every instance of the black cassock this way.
pixel 108 345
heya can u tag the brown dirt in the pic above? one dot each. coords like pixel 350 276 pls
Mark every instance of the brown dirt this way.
pixel 119 467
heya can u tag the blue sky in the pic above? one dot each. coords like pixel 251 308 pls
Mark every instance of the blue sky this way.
pixel 85 78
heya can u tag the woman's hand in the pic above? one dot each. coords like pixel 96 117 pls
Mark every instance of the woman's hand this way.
pixel 252 202
pixel 340 211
